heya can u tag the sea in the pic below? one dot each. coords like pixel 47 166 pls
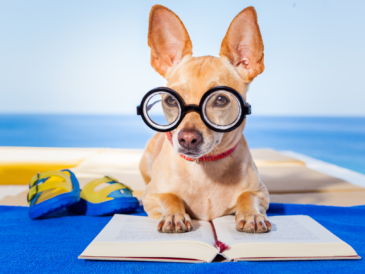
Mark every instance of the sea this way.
pixel 337 140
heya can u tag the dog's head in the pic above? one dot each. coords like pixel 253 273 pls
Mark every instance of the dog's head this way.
pixel 241 60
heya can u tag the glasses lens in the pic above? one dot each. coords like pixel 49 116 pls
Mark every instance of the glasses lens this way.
pixel 162 108
pixel 222 109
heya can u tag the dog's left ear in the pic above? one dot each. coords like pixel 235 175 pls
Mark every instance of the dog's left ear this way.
pixel 243 45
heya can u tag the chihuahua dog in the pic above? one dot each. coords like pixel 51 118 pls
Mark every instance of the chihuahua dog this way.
pixel 178 189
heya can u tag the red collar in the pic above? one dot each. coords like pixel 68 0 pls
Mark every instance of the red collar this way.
pixel 204 158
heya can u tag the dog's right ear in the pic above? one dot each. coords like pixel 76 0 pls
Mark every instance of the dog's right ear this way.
pixel 243 45
pixel 168 39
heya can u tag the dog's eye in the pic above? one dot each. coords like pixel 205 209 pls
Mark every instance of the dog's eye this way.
pixel 171 101
pixel 221 101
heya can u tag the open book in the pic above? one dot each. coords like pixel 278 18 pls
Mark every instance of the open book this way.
pixel 296 237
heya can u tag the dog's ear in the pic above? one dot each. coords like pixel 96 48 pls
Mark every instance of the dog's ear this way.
pixel 243 45
pixel 168 39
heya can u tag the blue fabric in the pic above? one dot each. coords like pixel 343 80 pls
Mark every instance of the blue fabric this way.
pixel 52 245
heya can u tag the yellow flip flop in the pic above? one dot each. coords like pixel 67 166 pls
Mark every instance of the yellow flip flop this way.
pixel 51 191
pixel 114 197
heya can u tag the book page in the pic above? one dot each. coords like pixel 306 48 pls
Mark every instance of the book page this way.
pixel 285 229
pixel 128 228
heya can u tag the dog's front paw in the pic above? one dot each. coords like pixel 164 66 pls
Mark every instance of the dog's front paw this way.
pixel 252 223
pixel 175 223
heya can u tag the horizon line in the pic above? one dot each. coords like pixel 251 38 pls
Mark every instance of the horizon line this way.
pixel 132 114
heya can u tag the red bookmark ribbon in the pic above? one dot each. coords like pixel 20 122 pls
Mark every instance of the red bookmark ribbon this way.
pixel 218 244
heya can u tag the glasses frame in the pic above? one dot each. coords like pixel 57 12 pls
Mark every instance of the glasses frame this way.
pixel 185 109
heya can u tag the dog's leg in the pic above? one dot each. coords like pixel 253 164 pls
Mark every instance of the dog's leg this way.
pixel 145 165
pixel 251 212
pixel 170 209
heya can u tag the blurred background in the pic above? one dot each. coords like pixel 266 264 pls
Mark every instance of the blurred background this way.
pixel 73 72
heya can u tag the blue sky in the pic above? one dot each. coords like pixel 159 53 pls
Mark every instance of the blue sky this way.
pixel 92 56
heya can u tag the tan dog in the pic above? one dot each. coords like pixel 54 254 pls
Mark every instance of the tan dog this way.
pixel 178 189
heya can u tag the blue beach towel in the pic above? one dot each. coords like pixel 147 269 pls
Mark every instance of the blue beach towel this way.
pixel 52 245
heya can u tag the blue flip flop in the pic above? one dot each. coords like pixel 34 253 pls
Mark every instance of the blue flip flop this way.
pixel 115 197
pixel 51 191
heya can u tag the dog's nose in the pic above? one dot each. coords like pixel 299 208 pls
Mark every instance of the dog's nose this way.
pixel 189 139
